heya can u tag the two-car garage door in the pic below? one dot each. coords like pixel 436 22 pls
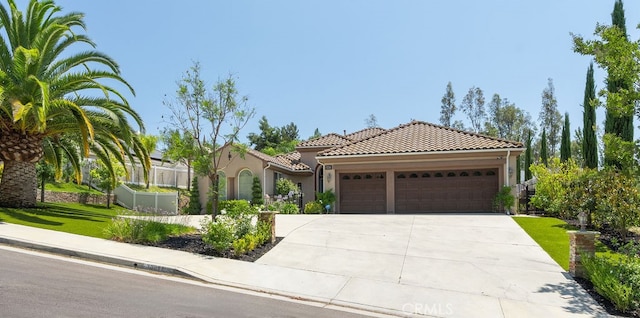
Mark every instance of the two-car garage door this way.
pixel 470 190
pixel 446 191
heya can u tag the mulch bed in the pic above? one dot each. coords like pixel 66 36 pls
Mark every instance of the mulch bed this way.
pixel 193 243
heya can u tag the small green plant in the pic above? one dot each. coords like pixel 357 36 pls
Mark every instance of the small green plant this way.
pixel 504 200
pixel 313 207
pixel 240 246
pixel 289 208
pixel 263 231
pixel 219 234
pixel 235 208
pixel 616 280
pixel 326 199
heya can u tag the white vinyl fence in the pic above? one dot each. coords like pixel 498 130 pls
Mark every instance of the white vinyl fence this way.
pixel 157 202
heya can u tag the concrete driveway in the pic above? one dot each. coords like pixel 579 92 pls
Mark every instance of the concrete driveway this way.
pixel 444 265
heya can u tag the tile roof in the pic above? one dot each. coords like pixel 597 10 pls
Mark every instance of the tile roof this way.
pixel 416 137
pixel 365 133
pixel 330 140
pixel 290 161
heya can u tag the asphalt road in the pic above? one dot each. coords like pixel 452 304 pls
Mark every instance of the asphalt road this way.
pixel 41 285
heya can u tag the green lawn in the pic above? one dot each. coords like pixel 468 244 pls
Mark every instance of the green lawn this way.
pixel 83 219
pixel 550 234
pixel 70 187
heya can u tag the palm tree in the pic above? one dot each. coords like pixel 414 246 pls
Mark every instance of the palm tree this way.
pixel 53 103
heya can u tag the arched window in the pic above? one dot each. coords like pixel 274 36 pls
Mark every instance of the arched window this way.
pixel 401 176
pixel 477 173
pixel 451 174
pixel 357 177
pixel 491 173
pixel 368 176
pixel 346 178
pixel 464 174
pixel 222 186
pixel 438 175
pixel 379 176
pixel 426 175
pixel 245 181
pixel 413 176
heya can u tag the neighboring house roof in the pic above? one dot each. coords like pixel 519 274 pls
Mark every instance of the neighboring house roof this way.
pixel 330 140
pixel 419 137
pixel 290 161
pixel 365 133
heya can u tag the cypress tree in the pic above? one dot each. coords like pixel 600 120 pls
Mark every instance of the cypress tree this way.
pixel 619 125
pixel 527 158
pixel 256 192
pixel 565 143
pixel 194 206
pixel 589 142
pixel 544 157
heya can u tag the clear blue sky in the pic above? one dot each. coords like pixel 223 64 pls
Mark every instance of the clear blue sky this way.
pixel 329 64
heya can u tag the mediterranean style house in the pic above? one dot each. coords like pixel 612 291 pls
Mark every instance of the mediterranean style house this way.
pixel 413 168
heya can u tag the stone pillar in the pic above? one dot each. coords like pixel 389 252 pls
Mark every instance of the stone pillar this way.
pixel 269 217
pixel 580 242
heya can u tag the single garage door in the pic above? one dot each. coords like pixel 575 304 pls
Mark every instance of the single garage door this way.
pixel 446 191
pixel 363 193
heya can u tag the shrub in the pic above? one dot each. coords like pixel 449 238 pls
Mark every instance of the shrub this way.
pixel 289 208
pixel 235 208
pixel 286 187
pixel 618 281
pixel 243 226
pixel 552 186
pixel 326 198
pixel 313 207
pixel 504 200
pixel 263 231
pixel 617 201
pixel 240 246
pixel 218 234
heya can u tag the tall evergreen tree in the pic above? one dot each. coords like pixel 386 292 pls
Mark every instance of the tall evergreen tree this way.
pixel 565 142
pixel 528 157
pixel 550 117
pixel 589 143
pixel 448 108
pixel 618 124
pixel 544 157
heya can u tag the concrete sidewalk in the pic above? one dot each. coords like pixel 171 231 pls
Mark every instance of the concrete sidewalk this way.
pixel 405 265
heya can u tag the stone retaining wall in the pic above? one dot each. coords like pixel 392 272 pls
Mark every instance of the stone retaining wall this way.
pixel 85 198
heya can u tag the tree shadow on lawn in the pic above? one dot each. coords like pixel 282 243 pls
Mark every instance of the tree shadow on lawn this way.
pixel 29 218
pixel 72 213
pixel 566 226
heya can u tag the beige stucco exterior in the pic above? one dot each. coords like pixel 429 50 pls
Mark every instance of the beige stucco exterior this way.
pixel 503 160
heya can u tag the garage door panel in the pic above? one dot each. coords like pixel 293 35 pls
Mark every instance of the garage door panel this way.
pixel 363 193
pixel 446 191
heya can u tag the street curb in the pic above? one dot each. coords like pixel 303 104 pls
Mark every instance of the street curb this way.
pixel 136 264
pixel 145 266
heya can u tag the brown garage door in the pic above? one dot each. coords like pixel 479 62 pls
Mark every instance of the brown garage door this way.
pixel 446 191
pixel 363 193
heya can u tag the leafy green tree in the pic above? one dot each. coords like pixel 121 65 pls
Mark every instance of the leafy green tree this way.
pixel 180 146
pixel 544 157
pixel 149 142
pixel 550 118
pixel 316 134
pixel 194 207
pixel 107 176
pixel 576 148
pixel 473 106
pixel 565 143
pixel 590 144
pixel 274 140
pixel 214 118
pixel 45 173
pixel 53 102
pixel 506 120
pixel 256 192
pixel 617 123
pixel 528 159
pixel 620 58
pixel 448 108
